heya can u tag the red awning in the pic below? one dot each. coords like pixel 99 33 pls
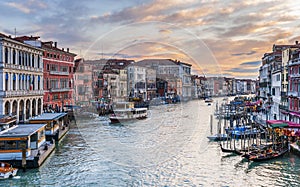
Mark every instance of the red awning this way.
pixel 295 114
pixel 275 121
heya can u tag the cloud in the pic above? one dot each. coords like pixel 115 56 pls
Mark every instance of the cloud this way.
pixel 253 63
pixel 165 31
pixel 118 55
pixel 241 70
pixel 20 7
pixel 238 33
pixel 28 6
pixel 240 54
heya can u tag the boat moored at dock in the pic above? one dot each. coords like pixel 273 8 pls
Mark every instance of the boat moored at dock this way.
pixel 25 145
pixel 7 171
pixel 57 124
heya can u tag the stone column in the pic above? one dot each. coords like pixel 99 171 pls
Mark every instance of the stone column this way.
pixel 10 107
pixel 30 108
pixel 18 109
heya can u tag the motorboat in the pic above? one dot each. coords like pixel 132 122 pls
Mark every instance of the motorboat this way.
pixel 126 111
pixel 7 171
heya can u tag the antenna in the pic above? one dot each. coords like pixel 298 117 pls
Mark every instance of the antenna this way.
pixel 15 32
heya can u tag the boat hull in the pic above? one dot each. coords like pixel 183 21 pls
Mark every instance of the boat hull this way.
pixel 221 137
pixel 122 120
pixel 260 158
pixel 230 150
pixel 7 171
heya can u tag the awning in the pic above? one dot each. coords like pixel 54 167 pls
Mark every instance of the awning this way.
pixel 279 125
pixel 295 114
pixel 293 124
pixel 275 121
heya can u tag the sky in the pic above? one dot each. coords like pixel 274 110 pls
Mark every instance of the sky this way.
pixel 219 38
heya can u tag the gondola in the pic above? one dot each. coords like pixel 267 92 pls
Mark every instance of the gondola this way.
pixel 258 157
pixel 236 151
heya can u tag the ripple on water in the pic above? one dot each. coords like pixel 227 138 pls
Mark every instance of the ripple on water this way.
pixel 168 149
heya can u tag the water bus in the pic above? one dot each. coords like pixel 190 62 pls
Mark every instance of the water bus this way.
pixel 125 111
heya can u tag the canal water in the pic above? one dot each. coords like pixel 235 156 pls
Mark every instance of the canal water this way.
pixel 169 148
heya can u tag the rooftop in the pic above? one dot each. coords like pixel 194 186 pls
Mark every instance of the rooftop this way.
pixel 48 116
pixel 22 130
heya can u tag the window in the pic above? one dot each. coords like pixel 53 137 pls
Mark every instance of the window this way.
pixel 2 145
pixel 6 56
pixel 14 57
pixel 11 145
pixel 277 77
pixel 20 58
pixel 32 60
pixel 22 144
pixel 63 83
pixel 55 97
pixel 38 61
pixel 64 68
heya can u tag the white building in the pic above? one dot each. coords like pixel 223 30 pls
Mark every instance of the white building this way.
pixel 21 83
pixel 172 69
pixel 136 81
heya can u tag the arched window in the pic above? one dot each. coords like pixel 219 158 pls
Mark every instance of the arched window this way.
pixel 32 83
pixel 38 61
pixel 20 57
pixel 6 55
pixel 32 60
pixel 14 57
pixel 39 83
pixel 20 82
pixel 6 81
pixel 14 82
pixel 24 59
pixel 23 82
pixel 28 59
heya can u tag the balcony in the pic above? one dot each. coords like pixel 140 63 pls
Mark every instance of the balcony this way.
pixel 18 93
pixel 59 73
pixel 294 94
pixel 19 67
pixel 294 62
pixel 295 75
pixel 60 89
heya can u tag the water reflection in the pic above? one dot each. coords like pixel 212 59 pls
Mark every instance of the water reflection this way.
pixel 168 149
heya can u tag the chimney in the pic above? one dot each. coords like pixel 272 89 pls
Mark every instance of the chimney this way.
pixel 62 49
pixel 55 44
pixel 296 42
pixel 67 49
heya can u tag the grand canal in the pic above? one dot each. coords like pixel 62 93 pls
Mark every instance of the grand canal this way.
pixel 169 148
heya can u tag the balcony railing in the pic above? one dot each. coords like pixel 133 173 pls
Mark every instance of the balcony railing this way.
pixel 59 73
pixel 294 62
pixel 295 75
pixel 19 67
pixel 14 93
pixel 294 93
pixel 60 89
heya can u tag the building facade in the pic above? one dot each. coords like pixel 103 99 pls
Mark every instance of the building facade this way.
pixel 58 76
pixel 21 85
pixel 83 90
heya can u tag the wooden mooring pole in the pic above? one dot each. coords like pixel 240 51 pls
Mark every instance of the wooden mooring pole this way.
pixel 24 159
